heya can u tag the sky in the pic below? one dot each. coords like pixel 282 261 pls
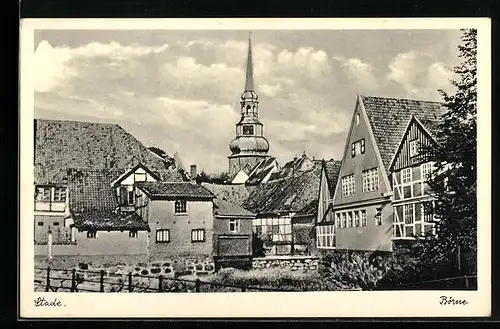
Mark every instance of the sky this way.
pixel 180 90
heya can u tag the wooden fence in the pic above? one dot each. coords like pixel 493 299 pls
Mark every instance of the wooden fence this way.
pixel 76 280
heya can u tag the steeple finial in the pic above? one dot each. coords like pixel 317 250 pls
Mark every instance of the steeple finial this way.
pixel 249 77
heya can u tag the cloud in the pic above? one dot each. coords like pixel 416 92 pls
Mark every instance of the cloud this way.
pixel 53 67
pixel 418 74
pixel 363 74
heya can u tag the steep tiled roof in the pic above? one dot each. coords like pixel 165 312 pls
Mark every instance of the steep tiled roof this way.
pixel 62 144
pixel 389 118
pixel 261 170
pixel 93 203
pixel 288 194
pixel 229 199
pixel 167 190
pixel 294 166
pixel 332 169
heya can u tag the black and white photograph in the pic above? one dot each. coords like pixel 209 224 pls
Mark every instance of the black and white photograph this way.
pixel 173 160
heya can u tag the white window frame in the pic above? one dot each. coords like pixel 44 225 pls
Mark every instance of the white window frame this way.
pixel 162 235
pixel 325 236
pixel 363 219
pixel 401 222
pixel 378 217
pixel 348 185
pixel 370 180
pixel 413 148
pixel 183 206
pixel 343 220
pixel 350 219
pixel 235 223
pixel 406 175
pixel 198 235
pixel 425 169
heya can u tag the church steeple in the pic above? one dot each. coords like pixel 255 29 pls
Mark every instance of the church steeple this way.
pixel 250 145
pixel 249 76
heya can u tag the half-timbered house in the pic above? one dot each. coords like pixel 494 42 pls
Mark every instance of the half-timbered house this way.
pixel 375 148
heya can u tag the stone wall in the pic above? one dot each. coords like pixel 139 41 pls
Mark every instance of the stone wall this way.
pixel 294 263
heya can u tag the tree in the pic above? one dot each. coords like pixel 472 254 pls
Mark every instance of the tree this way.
pixel 203 177
pixel 453 180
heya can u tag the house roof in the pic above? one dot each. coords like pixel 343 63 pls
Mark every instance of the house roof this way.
pixel 293 166
pixel 261 170
pixel 289 194
pixel 93 203
pixel 62 144
pixel 229 199
pixel 168 190
pixel 389 118
pixel 128 172
pixel 332 170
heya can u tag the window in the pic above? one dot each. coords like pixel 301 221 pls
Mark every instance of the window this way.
pixel 247 130
pixel 426 169
pixel 370 180
pixel 234 225
pixel 325 236
pixel 358 147
pixel 357 119
pixel 343 216
pixel 56 223
pixel 139 177
pixel 408 213
pixel 348 185
pixel 198 235
pixel 43 194
pixel 91 234
pixel 378 217
pixel 40 223
pixel 427 211
pixel 60 194
pixel 130 197
pixel 363 217
pixel 356 218
pixel 180 207
pixel 413 148
pixel 349 219
pixel 162 235
pixel 406 175
pixel 132 234
pixel 337 220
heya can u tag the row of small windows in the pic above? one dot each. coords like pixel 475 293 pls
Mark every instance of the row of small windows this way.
pixel 370 179
pixel 50 194
pixel 356 218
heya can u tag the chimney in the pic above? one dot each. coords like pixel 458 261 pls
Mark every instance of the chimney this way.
pixel 193 171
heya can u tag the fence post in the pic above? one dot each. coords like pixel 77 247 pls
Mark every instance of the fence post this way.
pixel 197 285
pixel 160 283
pixel 47 286
pixel 466 282
pixel 130 289
pixel 101 281
pixel 73 280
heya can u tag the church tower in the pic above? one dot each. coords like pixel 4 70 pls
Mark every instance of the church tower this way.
pixel 250 146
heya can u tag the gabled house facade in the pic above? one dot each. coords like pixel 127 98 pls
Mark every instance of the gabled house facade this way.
pixel 232 226
pixel 276 202
pixel 180 218
pixel 363 198
pixel 324 222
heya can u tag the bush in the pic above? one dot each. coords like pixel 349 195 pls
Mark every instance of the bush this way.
pixel 271 278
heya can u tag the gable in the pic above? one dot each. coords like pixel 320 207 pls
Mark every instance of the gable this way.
pixel 138 173
pixel 360 130
pixel 403 158
pixel 240 178
pixel 324 196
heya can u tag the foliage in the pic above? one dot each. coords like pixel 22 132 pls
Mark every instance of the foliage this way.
pixel 453 180
pixel 168 160
pixel 221 178
pixel 270 278
pixel 257 246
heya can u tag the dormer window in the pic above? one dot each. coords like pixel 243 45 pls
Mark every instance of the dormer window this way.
pixel 50 198
pixel 248 130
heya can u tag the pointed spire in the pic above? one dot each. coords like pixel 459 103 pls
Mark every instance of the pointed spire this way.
pixel 249 77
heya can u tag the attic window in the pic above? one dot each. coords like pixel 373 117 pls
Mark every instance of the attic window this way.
pixel 357 119
pixel 139 177
pixel 413 148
